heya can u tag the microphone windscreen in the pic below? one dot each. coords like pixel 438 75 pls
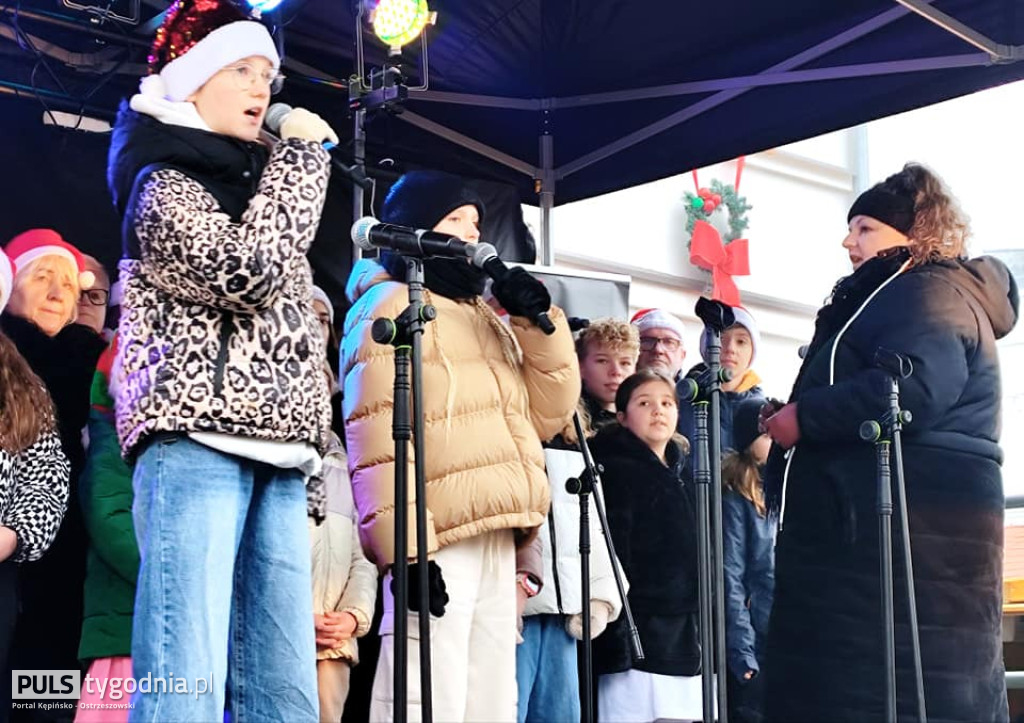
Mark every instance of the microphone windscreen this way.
pixel 276 114
pixel 361 232
pixel 482 252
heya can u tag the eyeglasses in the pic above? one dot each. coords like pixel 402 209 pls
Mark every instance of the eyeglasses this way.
pixel 246 77
pixel 650 343
pixel 96 297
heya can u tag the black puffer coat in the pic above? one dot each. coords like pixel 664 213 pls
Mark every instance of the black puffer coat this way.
pixel 824 654
pixel 651 514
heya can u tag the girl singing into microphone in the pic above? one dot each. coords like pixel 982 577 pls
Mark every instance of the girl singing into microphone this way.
pixel 222 402
pixel 491 393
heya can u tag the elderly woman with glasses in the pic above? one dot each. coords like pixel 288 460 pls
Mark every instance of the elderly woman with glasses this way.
pixel 40 320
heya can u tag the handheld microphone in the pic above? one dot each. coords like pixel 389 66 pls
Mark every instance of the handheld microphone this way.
pixel 276 115
pixel 369 233
pixel 485 256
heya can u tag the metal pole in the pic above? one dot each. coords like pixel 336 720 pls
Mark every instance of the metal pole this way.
pixel 359 160
pixel 546 252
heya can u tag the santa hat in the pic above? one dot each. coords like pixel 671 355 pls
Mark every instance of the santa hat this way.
pixel 199 38
pixel 25 248
pixel 744 319
pixel 647 319
pixel 7 272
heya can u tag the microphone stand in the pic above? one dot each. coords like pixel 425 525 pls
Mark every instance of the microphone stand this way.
pixel 886 434
pixel 405 334
pixel 708 475
pixel 589 482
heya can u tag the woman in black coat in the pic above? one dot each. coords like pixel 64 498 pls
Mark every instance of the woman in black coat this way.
pixel 914 292
pixel 651 517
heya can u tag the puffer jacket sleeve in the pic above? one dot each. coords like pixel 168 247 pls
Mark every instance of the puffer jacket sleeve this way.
pixel 368 371
pixel 194 251
pixel 937 333
pixel 551 373
pixel 39 498
pixel 106 495
pixel 360 595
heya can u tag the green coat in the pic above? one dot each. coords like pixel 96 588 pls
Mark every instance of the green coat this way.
pixel 113 558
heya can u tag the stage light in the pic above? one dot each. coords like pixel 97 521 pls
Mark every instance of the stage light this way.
pixel 264 6
pixel 398 22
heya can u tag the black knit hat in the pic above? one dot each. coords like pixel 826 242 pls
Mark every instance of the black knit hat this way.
pixel 744 423
pixel 421 199
pixel 892 202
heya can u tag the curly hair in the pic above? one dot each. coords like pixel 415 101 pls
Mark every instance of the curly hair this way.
pixel 941 228
pixel 26 411
pixel 611 334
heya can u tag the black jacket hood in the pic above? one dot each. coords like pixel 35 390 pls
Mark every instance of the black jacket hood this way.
pixel 990 282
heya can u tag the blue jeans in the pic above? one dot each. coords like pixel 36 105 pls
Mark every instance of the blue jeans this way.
pixel 224 587
pixel 549 689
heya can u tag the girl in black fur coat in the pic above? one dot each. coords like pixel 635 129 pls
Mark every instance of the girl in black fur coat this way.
pixel 651 516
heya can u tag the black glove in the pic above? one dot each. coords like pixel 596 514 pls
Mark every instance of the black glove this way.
pixel 520 294
pixel 435 585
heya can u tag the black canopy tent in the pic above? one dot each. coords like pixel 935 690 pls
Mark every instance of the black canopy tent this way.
pixel 564 99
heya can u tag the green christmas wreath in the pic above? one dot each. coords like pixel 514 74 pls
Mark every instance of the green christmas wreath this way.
pixel 705 202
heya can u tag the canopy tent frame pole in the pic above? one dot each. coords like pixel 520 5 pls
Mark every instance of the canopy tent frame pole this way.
pixel 702 106
pixel 838 72
pixel 546 250
pixel 472 144
pixel 1000 52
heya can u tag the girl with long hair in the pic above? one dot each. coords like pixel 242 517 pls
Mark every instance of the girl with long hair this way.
pixel 748 557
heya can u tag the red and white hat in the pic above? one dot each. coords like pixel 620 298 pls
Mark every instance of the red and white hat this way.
pixel 7 271
pixel 26 247
pixel 646 319
pixel 196 40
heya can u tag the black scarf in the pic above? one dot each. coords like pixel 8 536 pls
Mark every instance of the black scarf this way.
pixel 451 278
pixel 849 293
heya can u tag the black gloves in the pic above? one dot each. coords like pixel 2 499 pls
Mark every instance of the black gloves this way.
pixel 520 294
pixel 435 585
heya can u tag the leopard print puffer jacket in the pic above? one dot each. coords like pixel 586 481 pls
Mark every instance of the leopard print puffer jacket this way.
pixel 217 329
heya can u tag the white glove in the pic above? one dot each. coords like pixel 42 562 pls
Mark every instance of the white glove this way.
pixel 600 611
pixel 301 123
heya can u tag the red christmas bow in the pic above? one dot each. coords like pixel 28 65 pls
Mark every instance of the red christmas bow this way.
pixel 723 261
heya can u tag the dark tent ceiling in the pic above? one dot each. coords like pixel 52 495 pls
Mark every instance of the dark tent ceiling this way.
pixel 627 92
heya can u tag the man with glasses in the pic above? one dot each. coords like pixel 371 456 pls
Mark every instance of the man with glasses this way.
pixel 92 302
pixel 661 342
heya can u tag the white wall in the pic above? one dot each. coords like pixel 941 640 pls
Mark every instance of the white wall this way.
pixel 799 195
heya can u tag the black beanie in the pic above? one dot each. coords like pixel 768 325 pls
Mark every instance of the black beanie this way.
pixel 892 202
pixel 744 423
pixel 421 199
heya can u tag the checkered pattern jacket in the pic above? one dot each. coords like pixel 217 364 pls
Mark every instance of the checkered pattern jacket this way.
pixel 34 495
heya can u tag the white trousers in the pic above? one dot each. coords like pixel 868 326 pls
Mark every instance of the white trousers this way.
pixel 472 646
